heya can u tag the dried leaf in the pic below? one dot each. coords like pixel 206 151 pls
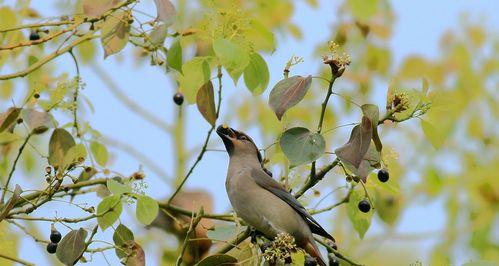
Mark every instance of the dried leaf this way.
pixel 205 101
pixel 9 118
pixel 287 93
pixel 11 203
pixel 96 8
pixel 115 33
pixel 137 256
pixel 371 111
pixel 354 150
pixel 166 11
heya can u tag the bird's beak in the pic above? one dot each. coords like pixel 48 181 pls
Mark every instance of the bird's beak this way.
pixel 228 135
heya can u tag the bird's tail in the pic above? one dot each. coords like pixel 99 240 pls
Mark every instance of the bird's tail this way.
pixel 312 249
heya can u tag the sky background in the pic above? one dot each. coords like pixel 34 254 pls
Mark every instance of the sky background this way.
pixel 418 27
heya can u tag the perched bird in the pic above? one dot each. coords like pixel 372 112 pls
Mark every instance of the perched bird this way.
pixel 262 202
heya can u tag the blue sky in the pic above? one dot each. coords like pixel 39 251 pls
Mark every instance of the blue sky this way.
pixel 418 26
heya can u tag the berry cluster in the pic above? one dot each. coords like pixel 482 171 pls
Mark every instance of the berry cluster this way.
pixel 55 237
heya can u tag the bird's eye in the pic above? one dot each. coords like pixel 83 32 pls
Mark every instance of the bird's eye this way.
pixel 243 137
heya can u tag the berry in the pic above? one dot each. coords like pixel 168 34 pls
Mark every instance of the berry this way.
pixel 333 260
pixel 33 36
pixel 19 120
pixel 364 206
pixel 55 236
pixel 178 98
pixel 51 248
pixel 383 175
pixel 36 95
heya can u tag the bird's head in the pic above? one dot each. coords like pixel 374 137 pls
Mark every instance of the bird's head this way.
pixel 237 142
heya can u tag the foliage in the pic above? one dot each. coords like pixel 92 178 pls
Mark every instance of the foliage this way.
pixel 453 96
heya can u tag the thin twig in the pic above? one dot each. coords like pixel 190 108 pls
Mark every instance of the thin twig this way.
pixel 194 222
pixel 11 173
pixel 336 253
pixel 14 259
pixel 208 135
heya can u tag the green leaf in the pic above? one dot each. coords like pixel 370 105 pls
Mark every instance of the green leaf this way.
pixel 76 154
pixel 7 137
pixel 434 136
pixel 59 144
pixel 301 146
pixel 166 11
pixel 233 57
pixel 8 119
pixel 118 188
pixel 205 101
pixel 121 235
pixel 147 209
pixel 256 74
pixel 360 221
pixel 354 150
pixel 287 93
pixel 72 246
pixel 362 9
pixel 216 260
pixel 298 258
pixel 109 211
pixel 115 32
pixel 371 111
pixel 223 232
pixel 195 73
pixel 96 8
pixel 99 152
pixel 174 56
pixel 261 37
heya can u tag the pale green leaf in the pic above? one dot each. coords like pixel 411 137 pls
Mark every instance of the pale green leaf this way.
pixel 363 9
pixel 434 136
pixel 360 221
pixel 195 73
pixel 174 56
pixel 302 146
pixel 59 144
pixel 147 209
pixel 233 57
pixel 99 152
pixel 256 74
pixel 118 188
pixel 7 137
pixel 108 211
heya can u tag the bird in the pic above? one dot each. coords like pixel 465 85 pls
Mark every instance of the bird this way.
pixel 262 202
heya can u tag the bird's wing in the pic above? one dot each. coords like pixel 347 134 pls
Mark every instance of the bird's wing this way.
pixel 268 183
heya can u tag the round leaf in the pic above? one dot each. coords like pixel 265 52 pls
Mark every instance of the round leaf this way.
pixel 59 144
pixel 174 56
pixel 109 211
pixel 233 57
pixel 100 152
pixel 195 73
pixel 301 146
pixel 287 93
pixel 147 209
pixel 72 246
pixel 205 101
pixel 256 74
pixel 118 188
pixel 121 235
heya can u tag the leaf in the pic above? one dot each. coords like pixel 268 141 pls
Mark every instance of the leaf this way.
pixel 216 260
pixel 360 221
pixel 174 56
pixel 233 57
pixel 480 263
pixel 115 32
pixel 59 144
pixel 11 203
pixel 118 188
pixel 195 73
pixel 72 246
pixel 96 8
pixel 158 35
pixel 121 235
pixel 76 154
pixel 371 111
pixel 147 209
pixel 99 152
pixel 166 11
pixel 435 137
pixel 223 232
pixel 108 211
pixel 354 150
pixel 370 161
pixel 137 256
pixel 298 258
pixel 9 118
pixel 7 137
pixel 205 101
pixel 362 9
pixel 36 119
pixel 256 74
pixel 301 146
pixel 287 93
pixel 261 37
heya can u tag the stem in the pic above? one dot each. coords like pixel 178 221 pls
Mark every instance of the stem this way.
pixel 205 145
pixel 75 95
pixel 336 253
pixel 23 262
pixel 312 180
pixel 194 222
pixel 11 173
pixel 234 242
pixel 324 103
pixel 346 199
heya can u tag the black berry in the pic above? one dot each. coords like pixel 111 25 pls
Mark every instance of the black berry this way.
pixel 33 36
pixel 383 175
pixel 178 98
pixel 364 206
pixel 55 236
pixel 36 95
pixel 51 248
pixel 333 260
pixel 19 120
